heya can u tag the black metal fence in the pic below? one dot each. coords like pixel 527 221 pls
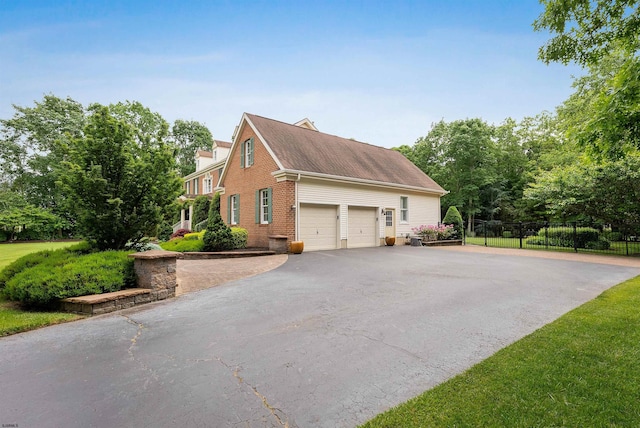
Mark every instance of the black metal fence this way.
pixel 573 236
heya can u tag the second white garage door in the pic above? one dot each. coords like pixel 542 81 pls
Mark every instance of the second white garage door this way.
pixel 362 227
pixel 319 226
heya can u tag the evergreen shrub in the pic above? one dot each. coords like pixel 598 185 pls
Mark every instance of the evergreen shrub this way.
pixel 218 236
pixel 585 237
pixel 453 217
pixel 240 236
pixel 183 245
pixel 59 276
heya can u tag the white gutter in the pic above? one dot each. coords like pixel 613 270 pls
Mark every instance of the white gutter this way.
pixel 341 179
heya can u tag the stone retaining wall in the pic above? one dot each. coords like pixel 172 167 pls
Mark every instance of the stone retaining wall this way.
pixel 97 304
pixel 156 271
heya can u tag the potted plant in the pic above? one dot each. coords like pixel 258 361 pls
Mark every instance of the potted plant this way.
pixel 390 240
pixel 296 247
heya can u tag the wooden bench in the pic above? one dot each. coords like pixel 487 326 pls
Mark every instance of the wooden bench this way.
pixel 96 304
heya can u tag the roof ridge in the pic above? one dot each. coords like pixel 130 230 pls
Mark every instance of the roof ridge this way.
pixel 325 133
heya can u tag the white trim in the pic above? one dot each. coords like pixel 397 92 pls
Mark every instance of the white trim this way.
pixel 245 120
pixel 309 124
pixel 264 142
pixel 232 210
pixel 206 169
pixel 403 209
pixel 289 175
pixel 262 194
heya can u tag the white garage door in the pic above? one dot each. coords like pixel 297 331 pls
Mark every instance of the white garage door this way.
pixel 362 227
pixel 319 227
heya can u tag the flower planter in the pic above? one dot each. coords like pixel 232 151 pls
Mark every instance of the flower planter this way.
pixel 296 247
pixel 390 240
pixel 448 242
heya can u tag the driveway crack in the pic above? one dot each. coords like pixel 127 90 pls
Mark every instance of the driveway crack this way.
pixel 280 417
pixel 390 345
pixel 134 341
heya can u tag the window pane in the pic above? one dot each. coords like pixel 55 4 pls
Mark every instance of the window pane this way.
pixel 264 206
pixel 389 215
pixel 404 208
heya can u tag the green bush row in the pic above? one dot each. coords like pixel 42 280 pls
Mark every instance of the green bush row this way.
pixel 193 242
pixel 183 245
pixel 584 237
pixel 40 279
pixel 194 236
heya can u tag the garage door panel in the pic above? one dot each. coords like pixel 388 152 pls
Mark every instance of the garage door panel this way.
pixel 362 227
pixel 318 227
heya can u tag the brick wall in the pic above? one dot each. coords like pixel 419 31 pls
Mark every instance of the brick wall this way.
pixel 215 175
pixel 245 182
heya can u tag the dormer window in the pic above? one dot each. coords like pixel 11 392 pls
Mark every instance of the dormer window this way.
pixel 215 155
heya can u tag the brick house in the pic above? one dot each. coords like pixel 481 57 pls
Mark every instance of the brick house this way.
pixel 328 191
pixel 203 181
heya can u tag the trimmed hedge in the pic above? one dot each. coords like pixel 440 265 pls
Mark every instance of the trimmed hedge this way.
pixel 61 275
pixel 240 235
pixel 194 236
pixel 183 245
pixel 585 237
pixel 453 217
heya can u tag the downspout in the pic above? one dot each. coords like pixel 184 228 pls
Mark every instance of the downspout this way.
pixel 297 210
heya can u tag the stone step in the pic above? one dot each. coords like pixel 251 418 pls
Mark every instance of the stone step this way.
pixel 96 304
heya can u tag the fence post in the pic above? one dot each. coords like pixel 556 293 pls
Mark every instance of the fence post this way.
pixel 546 235
pixel 520 233
pixel 626 240
pixel 575 236
pixel 484 226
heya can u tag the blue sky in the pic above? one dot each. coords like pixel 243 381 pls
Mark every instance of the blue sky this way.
pixel 377 71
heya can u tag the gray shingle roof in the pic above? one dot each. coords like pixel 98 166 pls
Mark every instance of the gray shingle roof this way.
pixel 205 153
pixel 224 144
pixel 302 149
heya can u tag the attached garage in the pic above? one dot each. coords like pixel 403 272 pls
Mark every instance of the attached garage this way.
pixel 362 227
pixel 319 226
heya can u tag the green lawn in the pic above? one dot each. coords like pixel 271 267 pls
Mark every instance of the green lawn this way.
pixel 13 319
pixel 11 252
pixel 581 370
pixel 617 248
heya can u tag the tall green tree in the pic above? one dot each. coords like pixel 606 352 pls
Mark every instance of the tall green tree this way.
pixel 461 157
pixel 31 145
pixel 120 179
pixel 149 128
pixel 607 191
pixel 603 114
pixel 584 31
pixel 18 214
pixel 189 137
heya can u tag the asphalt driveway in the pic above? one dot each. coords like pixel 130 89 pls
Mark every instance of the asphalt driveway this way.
pixel 328 339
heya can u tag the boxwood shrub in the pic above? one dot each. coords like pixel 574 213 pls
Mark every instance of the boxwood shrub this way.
pixel 58 276
pixel 194 236
pixel 183 245
pixel 239 236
